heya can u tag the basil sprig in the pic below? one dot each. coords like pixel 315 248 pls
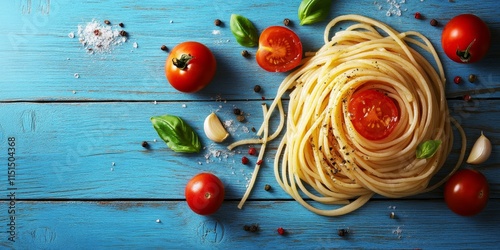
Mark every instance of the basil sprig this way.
pixel 427 149
pixel 243 30
pixel 178 135
pixel 313 11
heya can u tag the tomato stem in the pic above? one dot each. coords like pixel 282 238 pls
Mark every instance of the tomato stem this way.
pixel 182 62
pixel 465 55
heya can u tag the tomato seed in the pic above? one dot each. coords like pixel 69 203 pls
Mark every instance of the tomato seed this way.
pixel 457 79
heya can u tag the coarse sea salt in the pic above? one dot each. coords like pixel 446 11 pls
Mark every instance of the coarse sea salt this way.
pixel 96 37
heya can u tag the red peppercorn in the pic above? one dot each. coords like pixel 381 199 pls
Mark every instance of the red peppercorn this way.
pixel 244 160
pixel 252 151
pixel 281 231
pixel 259 162
pixel 457 79
pixel 418 15
pixel 467 97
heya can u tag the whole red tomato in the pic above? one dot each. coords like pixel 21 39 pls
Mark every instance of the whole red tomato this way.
pixel 466 192
pixel 466 38
pixel 190 67
pixel 280 49
pixel 204 193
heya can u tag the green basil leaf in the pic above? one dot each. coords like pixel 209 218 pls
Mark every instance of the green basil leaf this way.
pixel 313 11
pixel 427 149
pixel 178 135
pixel 243 30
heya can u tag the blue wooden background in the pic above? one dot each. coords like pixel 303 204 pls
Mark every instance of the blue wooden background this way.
pixel 83 181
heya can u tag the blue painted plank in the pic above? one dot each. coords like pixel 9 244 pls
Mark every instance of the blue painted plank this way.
pixel 38 60
pixel 133 225
pixel 93 150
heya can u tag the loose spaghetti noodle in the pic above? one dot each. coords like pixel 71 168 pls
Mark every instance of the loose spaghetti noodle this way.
pixel 322 158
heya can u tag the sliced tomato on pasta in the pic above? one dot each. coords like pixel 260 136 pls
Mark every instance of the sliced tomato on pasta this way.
pixel 373 114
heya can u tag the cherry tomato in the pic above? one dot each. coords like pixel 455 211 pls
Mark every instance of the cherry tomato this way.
pixel 466 38
pixel 190 67
pixel 373 114
pixel 204 193
pixel 466 192
pixel 280 49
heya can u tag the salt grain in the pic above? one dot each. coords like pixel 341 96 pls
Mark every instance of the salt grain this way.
pixel 76 75
pixel 71 35
pixel 107 37
pixel 158 221
pixel 183 105
pixel 135 45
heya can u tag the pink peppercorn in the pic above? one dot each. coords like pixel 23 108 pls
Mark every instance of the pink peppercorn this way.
pixel 244 160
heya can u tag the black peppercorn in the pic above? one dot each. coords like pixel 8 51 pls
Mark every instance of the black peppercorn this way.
pixel 267 187
pixel 121 25
pixel 237 111
pixel 287 22
pixel 254 228
pixel 145 144
pixel 434 22
pixel 107 22
pixel 245 53
pixel 217 22
pixel 123 33
pixel 342 232
pixel 472 78
pixel 240 118
pixel 164 48
pixel 257 88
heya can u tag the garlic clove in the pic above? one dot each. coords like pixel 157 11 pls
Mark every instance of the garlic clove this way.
pixel 214 129
pixel 481 150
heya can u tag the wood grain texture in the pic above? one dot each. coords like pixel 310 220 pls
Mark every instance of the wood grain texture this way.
pixel 36 46
pixel 133 225
pixel 93 150
pixel 83 179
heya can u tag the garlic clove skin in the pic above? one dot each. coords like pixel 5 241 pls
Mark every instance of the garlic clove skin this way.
pixel 481 150
pixel 214 129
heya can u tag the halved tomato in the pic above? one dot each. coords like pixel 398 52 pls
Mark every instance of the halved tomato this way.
pixel 373 114
pixel 280 49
